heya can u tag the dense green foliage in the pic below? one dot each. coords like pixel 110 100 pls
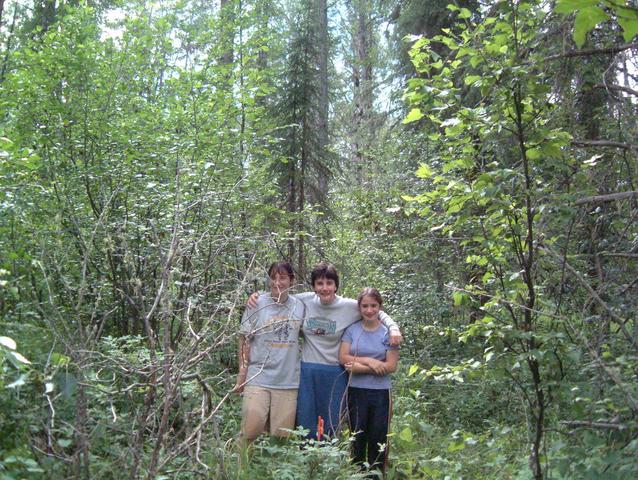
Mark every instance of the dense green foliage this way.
pixel 155 157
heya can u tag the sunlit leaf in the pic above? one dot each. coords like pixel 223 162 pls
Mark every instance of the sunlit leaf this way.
pixel 21 380
pixel 570 6
pixel 586 20
pixel 414 115
pixel 406 435
pixel 629 27
pixel 424 171
pixel 8 342
pixel 20 358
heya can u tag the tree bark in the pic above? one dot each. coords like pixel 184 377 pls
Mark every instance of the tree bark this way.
pixel 603 143
pixel 619 88
pixel 321 120
pixel 5 60
pixel 593 51
pixel 362 84
pixel 611 197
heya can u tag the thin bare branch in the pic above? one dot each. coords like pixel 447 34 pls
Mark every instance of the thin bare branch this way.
pixel 594 295
pixel 610 197
pixel 598 425
pixel 618 88
pixel 593 51
pixel 604 143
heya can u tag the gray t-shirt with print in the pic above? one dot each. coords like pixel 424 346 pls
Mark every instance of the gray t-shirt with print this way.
pixel 272 331
pixel 324 325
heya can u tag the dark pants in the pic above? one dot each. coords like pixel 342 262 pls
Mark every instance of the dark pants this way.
pixel 369 412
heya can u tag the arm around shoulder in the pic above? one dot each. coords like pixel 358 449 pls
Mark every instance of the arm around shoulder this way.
pixel 395 334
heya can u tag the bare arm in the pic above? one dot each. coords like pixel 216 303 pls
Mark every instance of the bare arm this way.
pixel 395 334
pixel 392 360
pixel 356 364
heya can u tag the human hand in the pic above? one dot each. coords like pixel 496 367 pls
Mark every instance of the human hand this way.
pixel 377 366
pixel 395 338
pixel 252 300
pixel 239 384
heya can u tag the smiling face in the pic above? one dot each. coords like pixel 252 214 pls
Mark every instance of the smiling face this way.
pixel 280 284
pixel 369 308
pixel 326 289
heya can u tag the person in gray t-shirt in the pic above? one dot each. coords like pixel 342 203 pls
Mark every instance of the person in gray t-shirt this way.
pixel 269 358
pixel 323 381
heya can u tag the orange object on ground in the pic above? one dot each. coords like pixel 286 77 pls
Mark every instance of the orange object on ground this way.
pixel 319 427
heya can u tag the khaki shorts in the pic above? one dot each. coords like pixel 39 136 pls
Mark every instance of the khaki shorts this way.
pixel 267 410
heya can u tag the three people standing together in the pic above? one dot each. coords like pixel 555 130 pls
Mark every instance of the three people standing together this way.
pixel 272 377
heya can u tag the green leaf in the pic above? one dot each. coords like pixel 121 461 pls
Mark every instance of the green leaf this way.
pixel 64 442
pixel 406 435
pixel 67 384
pixel 587 19
pixel 534 153
pixel 459 298
pixel 475 60
pixel 414 115
pixel 455 446
pixel 465 13
pixel 413 369
pixel 570 6
pixel 470 79
pixel 629 27
pixel 424 171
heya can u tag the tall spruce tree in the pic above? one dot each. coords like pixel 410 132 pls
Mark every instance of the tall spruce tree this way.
pixel 304 175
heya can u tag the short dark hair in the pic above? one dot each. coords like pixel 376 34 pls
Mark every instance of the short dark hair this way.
pixel 324 270
pixel 370 292
pixel 283 268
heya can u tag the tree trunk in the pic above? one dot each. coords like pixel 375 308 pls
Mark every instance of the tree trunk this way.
pixel 362 38
pixel 227 34
pixel 5 60
pixel 321 121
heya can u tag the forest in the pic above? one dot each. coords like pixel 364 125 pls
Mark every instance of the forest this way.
pixel 476 161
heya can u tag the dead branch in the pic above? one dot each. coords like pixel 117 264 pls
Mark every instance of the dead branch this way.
pixel 610 197
pixel 618 254
pixel 618 88
pixel 603 143
pixel 594 295
pixel 599 425
pixel 593 51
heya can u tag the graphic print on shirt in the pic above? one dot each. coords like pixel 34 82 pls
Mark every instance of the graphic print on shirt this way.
pixel 283 327
pixel 320 326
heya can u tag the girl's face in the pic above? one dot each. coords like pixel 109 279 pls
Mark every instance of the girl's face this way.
pixel 326 289
pixel 369 308
pixel 280 284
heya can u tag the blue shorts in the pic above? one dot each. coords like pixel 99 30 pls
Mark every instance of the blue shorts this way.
pixel 322 393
